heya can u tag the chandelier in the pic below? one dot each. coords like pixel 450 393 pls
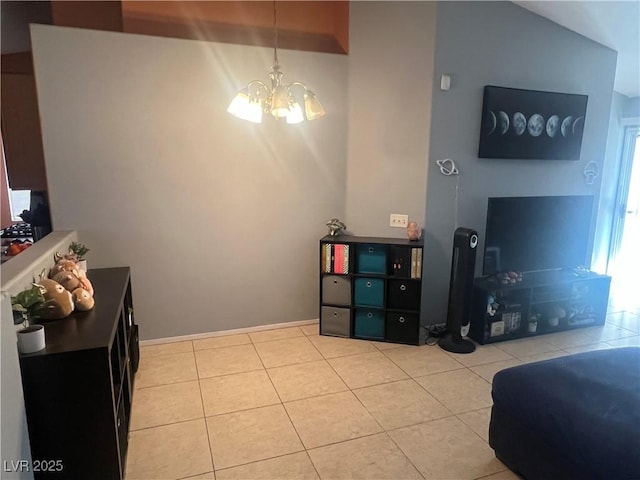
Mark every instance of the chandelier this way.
pixel 257 98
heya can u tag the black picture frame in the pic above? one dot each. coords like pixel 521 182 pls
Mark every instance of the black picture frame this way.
pixel 530 124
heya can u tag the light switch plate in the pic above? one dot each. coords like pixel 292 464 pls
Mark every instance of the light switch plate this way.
pixel 398 220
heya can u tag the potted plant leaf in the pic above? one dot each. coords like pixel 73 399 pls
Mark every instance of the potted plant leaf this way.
pixel 26 307
pixel 80 250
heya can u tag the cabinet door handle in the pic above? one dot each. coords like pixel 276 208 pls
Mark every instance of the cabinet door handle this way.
pixel 368 284
pixel 335 314
pixel 401 319
pixel 369 315
pixel 403 287
pixel 370 249
pixel 118 423
pixel 335 282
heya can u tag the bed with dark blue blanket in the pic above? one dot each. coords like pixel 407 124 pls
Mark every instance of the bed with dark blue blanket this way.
pixel 573 417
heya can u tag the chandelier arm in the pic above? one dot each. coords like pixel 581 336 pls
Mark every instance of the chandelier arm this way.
pixel 259 84
pixel 300 84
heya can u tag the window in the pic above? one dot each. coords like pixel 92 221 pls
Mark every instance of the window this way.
pixel 19 200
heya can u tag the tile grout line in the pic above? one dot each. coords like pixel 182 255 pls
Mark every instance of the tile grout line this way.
pixel 384 431
pixel 164 384
pixel 287 413
pixel 204 414
pixel 264 460
pixel 277 394
pixel 304 447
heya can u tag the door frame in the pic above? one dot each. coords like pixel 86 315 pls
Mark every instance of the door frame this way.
pixel 631 132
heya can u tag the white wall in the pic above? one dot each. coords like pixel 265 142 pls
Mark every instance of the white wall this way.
pixel 218 218
pixel 391 56
pixel 14 443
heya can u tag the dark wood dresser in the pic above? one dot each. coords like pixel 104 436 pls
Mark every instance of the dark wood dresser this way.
pixel 78 390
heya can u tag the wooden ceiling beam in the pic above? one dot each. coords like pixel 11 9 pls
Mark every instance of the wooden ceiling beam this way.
pixel 321 26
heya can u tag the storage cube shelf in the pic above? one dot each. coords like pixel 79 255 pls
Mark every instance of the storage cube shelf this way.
pixel 544 302
pixel 370 288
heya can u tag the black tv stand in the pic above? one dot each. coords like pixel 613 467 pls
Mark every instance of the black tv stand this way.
pixel 542 302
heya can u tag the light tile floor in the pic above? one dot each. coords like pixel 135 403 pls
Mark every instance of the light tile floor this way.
pixel 290 404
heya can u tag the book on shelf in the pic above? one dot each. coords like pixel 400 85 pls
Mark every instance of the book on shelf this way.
pixel 327 255
pixel 341 258
pixel 338 258
pixel 416 263
pixel 345 264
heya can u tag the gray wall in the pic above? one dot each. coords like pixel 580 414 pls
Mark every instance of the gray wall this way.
pixel 390 79
pixel 499 43
pixel 218 218
pixel 127 120
pixel 224 215
pixel 631 107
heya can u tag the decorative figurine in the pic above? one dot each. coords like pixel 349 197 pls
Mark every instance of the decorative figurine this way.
pixel 336 227
pixel 414 232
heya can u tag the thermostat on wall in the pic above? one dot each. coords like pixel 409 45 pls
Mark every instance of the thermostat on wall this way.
pixel 445 82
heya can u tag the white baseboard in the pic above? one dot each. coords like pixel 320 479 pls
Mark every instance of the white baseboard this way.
pixel 198 336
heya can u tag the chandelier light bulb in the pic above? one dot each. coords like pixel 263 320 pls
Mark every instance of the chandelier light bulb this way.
pixel 312 106
pixel 280 102
pixel 295 114
pixel 254 112
pixel 239 103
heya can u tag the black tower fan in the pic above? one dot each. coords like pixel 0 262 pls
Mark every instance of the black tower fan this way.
pixel 465 242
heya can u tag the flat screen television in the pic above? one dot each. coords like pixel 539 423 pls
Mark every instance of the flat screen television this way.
pixel 526 234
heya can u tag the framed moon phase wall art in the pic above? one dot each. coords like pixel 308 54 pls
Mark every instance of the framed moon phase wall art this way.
pixel 528 124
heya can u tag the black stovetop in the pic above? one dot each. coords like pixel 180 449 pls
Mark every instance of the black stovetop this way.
pixel 19 230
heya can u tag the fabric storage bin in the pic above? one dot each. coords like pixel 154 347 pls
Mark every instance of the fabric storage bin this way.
pixel 402 327
pixel 336 290
pixel 335 321
pixel 371 258
pixel 403 294
pixel 369 292
pixel 369 323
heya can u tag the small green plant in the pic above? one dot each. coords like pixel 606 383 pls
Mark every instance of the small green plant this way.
pixel 26 306
pixel 79 249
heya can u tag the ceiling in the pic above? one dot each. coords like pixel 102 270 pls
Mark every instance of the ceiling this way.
pixel 615 24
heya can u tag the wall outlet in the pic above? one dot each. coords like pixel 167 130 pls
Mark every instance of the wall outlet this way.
pixel 398 220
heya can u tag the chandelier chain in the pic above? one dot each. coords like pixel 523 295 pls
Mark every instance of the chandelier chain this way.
pixel 275 35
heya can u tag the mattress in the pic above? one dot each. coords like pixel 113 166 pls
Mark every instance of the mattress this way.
pixel 570 417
